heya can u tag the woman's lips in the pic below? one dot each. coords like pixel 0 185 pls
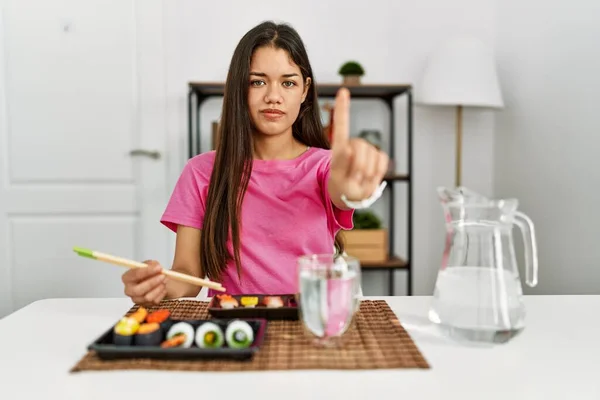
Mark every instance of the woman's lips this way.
pixel 273 113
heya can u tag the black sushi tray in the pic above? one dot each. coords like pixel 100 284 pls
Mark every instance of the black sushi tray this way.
pixel 107 347
pixel 287 310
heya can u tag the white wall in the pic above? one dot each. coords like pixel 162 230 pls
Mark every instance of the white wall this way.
pixel 548 65
pixel 391 40
pixel 548 137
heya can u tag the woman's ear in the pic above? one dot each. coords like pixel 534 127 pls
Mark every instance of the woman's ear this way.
pixel 307 84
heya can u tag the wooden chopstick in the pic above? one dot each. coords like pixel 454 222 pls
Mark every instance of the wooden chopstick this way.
pixel 178 276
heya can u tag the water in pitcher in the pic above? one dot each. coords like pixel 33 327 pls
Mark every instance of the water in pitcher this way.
pixel 478 294
pixel 478 304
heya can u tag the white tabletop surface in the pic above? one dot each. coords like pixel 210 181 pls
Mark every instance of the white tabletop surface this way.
pixel 556 357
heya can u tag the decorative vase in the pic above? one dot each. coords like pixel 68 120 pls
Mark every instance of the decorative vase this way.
pixel 351 79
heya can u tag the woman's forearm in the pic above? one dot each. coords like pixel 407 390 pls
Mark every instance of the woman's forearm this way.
pixel 177 289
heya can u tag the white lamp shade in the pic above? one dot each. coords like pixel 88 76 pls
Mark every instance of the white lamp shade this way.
pixel 461 72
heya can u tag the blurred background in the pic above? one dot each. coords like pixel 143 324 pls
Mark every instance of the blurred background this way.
pixel 96 99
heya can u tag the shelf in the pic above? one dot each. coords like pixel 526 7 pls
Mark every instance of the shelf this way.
pixel 199 92
pixel 208 88
pixel 396 177
pixel 323 90
pixel 363 90
pixel 392 263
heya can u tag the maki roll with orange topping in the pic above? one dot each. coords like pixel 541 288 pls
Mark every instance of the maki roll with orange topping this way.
pixel 148 335
pixel 158 316
pixel 140 315
pixel 161 317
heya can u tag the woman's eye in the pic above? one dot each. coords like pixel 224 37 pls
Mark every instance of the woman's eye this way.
pixel 257 83
pixel 289 83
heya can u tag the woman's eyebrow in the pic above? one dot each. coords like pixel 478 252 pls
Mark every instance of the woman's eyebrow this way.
pixel 284 75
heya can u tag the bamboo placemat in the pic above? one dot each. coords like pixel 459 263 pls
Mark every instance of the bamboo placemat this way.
pixel 376 340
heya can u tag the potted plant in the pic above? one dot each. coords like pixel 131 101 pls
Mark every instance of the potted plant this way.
pixel 368 241
pixel 351 71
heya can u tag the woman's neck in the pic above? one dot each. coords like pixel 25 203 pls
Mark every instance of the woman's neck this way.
pixel 278 147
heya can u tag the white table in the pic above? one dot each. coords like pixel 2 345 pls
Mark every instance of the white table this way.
pixel 556 357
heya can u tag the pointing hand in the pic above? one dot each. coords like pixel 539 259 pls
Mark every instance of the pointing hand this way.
pixel 357 167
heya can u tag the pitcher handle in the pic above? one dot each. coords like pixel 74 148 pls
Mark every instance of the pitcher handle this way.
pixel 530 242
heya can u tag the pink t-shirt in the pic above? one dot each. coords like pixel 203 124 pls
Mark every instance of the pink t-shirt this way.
pixel 286 213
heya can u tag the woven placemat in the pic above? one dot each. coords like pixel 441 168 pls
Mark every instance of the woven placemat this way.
pixel 376 340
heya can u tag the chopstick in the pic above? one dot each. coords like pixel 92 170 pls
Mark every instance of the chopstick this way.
pixel 178 276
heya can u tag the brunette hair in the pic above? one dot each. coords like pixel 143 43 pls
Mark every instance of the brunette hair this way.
pixel 234 156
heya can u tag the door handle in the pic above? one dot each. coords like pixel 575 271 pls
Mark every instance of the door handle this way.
pixel 147 153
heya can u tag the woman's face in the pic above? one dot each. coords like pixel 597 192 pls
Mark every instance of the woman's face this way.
pixel 276 91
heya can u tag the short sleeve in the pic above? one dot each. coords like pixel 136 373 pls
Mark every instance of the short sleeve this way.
pixel 187 203
pixel 338 218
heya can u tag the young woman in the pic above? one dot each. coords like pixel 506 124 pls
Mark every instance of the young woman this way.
pixel 274 189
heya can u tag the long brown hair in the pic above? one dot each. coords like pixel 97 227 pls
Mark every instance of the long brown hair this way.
pixel 234 157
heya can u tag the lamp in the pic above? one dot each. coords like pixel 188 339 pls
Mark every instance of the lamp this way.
pixel 460 73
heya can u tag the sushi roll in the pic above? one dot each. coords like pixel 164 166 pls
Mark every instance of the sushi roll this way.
pixel 140 315
pixel 239 334
pixel 158 316
pixel 273 301
pixel 209 335
pixel 124 331
pixel 249 302
pixel 227 302
pixel 162 317
pixel 180 334
pixel 148 334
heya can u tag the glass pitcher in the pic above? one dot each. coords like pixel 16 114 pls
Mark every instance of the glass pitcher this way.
pixel 478 294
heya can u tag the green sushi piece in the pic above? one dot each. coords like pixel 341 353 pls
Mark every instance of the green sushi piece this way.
pixel 239 334
pixel 209 335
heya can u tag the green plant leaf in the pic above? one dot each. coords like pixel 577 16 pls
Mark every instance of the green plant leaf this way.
pixel 366 219
pixel 351 68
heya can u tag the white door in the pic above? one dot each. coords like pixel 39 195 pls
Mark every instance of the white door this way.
pixel 81 86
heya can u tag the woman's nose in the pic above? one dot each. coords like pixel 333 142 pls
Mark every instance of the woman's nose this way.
pixel 273 95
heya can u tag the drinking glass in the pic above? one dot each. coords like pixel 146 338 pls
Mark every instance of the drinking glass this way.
pixel 329 288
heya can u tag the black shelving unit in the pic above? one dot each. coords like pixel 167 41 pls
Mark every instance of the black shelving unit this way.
pixel 199 92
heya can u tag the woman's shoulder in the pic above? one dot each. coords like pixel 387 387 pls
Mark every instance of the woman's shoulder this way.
pixel 200 166
pixel 320 158
pixel 318 161
pixel 319 155
pixel 203 160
